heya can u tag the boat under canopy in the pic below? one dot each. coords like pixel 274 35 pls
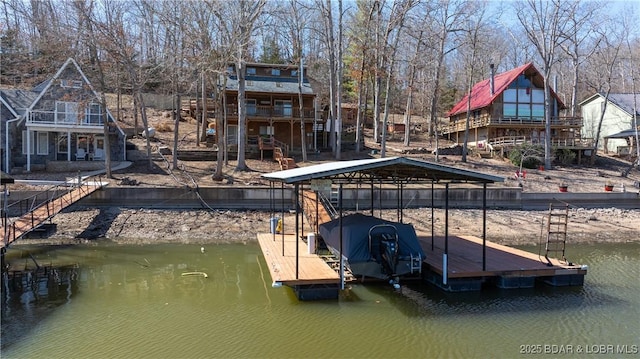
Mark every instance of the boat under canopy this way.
pixel 374 247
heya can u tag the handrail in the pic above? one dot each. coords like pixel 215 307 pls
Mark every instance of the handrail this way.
pixel 64 199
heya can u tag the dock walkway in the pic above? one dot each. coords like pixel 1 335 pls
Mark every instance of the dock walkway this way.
pixel 36 217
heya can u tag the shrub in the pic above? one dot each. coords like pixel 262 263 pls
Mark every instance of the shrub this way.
pixel 526 156
pixel 565 156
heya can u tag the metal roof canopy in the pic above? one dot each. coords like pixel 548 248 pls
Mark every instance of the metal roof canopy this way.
pixel 391 169
pixel 397 170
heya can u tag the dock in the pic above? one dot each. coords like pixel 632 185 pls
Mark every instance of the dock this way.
pixel 505 267
pixel 311 278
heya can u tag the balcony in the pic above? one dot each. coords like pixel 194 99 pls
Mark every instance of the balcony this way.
pixel 513 122
pixel 275 112
pixel 51 120
pixel 576 143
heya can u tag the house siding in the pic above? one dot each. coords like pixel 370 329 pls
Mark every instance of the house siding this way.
pixel 614 121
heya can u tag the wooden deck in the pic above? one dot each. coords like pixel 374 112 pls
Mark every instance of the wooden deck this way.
pixel 35 218
pixel 465 260
pixel 311 268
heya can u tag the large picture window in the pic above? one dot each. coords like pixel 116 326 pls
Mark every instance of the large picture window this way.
pixel 66 112
pixel 523 101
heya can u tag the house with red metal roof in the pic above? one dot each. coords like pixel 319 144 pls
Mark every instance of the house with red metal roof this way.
pixel 508 109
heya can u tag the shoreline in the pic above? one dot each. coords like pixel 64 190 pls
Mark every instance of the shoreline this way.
pixel 180 226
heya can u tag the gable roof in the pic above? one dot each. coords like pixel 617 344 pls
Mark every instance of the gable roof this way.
pixel 16 100
pixel 388 168
pixel 45 86
pixel 623 101
pixel 481 92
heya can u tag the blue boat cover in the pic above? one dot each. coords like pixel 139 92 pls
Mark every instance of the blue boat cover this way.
pixel 355 237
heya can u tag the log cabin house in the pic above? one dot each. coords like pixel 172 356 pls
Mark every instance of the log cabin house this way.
pixel 508 109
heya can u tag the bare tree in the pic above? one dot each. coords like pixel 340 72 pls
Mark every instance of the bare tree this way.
pixel 396 24
pixel 545 23
pixel 473 42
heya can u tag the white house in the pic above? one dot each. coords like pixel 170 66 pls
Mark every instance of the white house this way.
pixel 618 117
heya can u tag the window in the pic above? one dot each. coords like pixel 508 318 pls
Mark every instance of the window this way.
pixel 266 130
pixel 283 108
pixel 509 110
pixel 62 143
pixel 70 84
pixel 275 72
pixel 93 113
pixel 251 106
pixel 251 70
pixel 66 112
pixel 39 141
pixel 294 73
pixel 232 134
pixel 510 95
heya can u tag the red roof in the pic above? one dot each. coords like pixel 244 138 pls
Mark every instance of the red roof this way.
pixel 481 93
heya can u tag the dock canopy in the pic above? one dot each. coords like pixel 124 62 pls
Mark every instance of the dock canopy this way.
pixel 390 169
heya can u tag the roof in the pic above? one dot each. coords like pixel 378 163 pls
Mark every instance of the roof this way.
pixel 624 101
pixel 481 92
pixel 383 169
pixel 17 100
pixel 267 84
pixel 623 134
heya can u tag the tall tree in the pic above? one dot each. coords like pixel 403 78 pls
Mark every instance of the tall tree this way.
pixel 239 18
pixel 545 23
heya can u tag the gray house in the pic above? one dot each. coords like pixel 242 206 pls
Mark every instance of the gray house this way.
pixel 618 117
pixel 59 120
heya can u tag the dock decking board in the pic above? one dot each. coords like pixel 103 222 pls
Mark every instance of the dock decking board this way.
pixel 465 259
pixel 311 268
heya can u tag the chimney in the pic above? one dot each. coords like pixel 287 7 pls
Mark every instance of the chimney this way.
pixel 491 84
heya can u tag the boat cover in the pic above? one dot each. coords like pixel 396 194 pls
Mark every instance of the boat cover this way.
pixel 355 237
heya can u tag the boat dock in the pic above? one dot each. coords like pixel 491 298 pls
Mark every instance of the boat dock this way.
pixel 453 263
pixel 504 267
pixel 308 274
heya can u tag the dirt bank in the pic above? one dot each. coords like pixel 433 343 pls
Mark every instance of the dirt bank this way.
pixel 144 226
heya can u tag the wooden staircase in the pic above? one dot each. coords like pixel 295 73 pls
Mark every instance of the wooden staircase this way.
pixel 556 232
pixel 280 152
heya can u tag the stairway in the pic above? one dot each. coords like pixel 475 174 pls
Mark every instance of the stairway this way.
pixel 556 232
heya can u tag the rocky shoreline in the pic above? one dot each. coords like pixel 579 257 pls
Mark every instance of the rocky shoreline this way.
pixel 148 226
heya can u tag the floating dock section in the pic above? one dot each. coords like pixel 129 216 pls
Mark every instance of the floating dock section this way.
pixel 308 274
pixel 504 267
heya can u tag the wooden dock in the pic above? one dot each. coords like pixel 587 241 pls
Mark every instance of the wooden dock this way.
pixel 311 268
pixel 36 217
pixel 506 267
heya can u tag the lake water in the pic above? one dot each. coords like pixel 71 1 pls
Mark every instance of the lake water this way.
pixel 133 302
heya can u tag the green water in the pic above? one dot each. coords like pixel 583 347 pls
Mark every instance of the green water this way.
pixel 133 302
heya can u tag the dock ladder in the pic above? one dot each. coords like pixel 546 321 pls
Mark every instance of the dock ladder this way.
pixel 556 231
pixel 416 263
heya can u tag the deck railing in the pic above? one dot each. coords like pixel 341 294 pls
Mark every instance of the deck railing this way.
pixel 272 111
pixel 50 118
pixel 485 121
pixel 556 142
